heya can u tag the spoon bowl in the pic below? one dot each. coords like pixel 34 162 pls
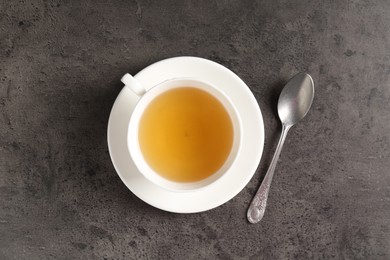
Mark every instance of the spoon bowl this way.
pixel 296 99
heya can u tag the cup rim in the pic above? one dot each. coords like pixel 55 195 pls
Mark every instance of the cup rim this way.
pixel 133 130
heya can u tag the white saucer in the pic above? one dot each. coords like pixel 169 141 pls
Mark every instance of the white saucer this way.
pixel 241 171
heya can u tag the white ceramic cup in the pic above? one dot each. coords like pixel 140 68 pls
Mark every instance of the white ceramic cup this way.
pixel 147 96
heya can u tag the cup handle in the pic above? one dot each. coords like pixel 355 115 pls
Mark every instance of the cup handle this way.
pixel 133 84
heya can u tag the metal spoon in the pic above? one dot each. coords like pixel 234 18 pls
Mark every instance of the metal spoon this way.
pixel 294 103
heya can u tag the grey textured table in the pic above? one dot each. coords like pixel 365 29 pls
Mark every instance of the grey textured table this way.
pixel 60 65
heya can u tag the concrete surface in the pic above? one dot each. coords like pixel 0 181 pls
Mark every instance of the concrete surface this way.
pixel 60 65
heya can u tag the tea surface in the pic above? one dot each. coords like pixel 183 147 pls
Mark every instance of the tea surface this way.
pixel 185 134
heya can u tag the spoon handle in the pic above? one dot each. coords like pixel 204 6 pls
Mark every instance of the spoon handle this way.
pixel 257 207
